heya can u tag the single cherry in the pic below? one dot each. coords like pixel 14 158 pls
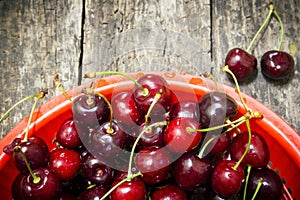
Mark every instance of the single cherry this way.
pixel 67 136
pixel 169 191
pixel 242 64
pixel 65 163
pixel 258 154
pixel 179 138
pixel 94 193
pixel 191 172
pixel 227 181
pixel 185 109
pixel 277 65
pixel 154 163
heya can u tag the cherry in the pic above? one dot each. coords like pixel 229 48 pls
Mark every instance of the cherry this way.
pixel 169 191
pixel 242 64
pixel 152 85
pixel 36 153
pixel 125 110
pixel 131 189
pixel 221 145
pixel 190 171
pixel 185 109
pixel 277 65
pixel 48 186
pixel 9 149
pixel 16 187
pixel 215 107
pixel 89 111
pixel 271 186
pixel 93 193
pixel 177 136
pixel 67 136
pixel 96 170
pixel 154 163
pixel 65 163
pixel 258 154
pixel 227 180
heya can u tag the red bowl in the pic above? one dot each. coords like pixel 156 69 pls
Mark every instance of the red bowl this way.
pixel 283 141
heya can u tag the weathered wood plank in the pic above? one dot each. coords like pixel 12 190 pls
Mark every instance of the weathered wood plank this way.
pixel 37 39
pixel 235 23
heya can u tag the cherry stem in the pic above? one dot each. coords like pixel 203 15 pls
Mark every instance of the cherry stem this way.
pixel 18 149
pixel 129 178
pixel 247 148
pixel 246 181
pixel 281 27
pixel 162 123
pixel 209 75
pixel 226 69
pixel 110 130
pixel 154 102
pixel 38 97
pixel 259 184
pixel 60 87
pixel 14 106
pixel 233 126
pixel 200 154
pixel 95 74
pixel 271 9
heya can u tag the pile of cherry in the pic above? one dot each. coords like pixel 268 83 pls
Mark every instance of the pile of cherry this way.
pixel 148 143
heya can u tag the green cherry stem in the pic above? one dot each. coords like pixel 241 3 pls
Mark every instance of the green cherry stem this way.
pixel 129 178
pixel 271 9
pixel 281 27
pixel 246 181
pixel 247 148
pixel 95 74
pixel 259 184
pixel 38 97
pixel 36 179
pixel 226 69
pixel 154 102
pixel 14 106
pixel 200 154
pixel 162 123
pixel 60 87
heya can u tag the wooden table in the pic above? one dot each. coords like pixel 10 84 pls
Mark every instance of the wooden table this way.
pixel 42 37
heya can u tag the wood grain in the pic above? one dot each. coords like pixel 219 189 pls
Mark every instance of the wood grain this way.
pixel 41 37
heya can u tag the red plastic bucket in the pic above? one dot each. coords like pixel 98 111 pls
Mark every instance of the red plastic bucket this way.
pixel 283 141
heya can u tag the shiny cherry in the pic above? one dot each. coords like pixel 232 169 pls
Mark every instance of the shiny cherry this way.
pixel 185 109
pixel 277 65
pixel 65 163
pixel 154 163
pixel 227 181
pixel 177 136
pixel 258 155
pixel 169 191
pixel 94 193
pixel 191 172
pixel 242 64
pixel 67 136
pixel 47 188
pixel 271 188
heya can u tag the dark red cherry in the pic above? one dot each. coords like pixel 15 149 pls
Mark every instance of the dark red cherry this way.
pixel 258 155
pixel 94 193
pixel 168 192
pixel 215 107
pixel 17 186
pixel 133 189
pixel 272 187
pixel 88 112
pixel 96 170
pixel 67 136
pixel 177 136
pixel 153 84
pixel 242 64
pixel 221 144
pixel 227 181
pixel 9 149
pixel 185 109
pixel 65 163
pixel 48 187
pixel 191 172
pixel 36 153
pixel 154 163
pixel 277 65
pixel 125 110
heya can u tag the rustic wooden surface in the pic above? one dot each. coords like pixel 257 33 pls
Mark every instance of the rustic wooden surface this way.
pixel 71 37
